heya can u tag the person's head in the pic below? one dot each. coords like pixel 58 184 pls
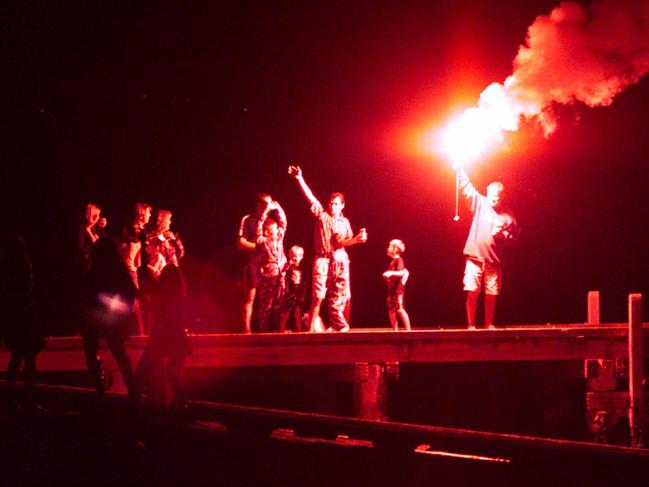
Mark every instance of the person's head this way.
pixel 396 247
pixel 171 282
pixel 271 229
pixel 295 255
pixel 263 200
pixel 495 194
pixel 92 214
pixel 336 204
pixel 163 220
pixel 142 214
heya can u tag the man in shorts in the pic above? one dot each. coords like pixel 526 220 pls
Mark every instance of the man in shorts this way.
pixel 333 233
pixel 492 229
pixel 247 242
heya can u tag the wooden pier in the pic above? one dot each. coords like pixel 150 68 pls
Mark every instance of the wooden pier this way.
pixel 370 358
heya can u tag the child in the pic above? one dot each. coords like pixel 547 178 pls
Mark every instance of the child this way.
pixel 295 289
pixel 270 262
pixel 396 277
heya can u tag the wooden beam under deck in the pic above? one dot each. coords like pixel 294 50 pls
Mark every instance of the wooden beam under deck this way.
pixel 524 343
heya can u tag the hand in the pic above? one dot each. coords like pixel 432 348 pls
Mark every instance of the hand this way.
pixel 272 205
pixel 295 171
pixel 362 235
pixel 498 228
pixel 387 274
pixel 457 165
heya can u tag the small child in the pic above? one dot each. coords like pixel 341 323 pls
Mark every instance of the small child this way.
pixel 294 290
pixel 270 263
pixel 396 277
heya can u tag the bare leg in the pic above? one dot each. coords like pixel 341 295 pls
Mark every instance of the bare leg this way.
pixel 297 314
pixel 405 319
pixel 314 312
pixel 392 314
pixel 248 304
pixel 489 310
pixel 471 305
pixel 283 319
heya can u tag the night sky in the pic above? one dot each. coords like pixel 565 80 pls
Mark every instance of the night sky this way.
pixel 196 108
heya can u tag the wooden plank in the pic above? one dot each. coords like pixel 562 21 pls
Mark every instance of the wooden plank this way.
pixel 558 342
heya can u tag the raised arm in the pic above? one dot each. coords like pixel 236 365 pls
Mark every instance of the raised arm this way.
pixel 296 172
pixel 468 190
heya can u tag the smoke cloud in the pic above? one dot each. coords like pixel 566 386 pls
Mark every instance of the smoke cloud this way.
pixel 576 54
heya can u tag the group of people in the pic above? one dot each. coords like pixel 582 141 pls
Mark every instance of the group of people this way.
pixel 131 284
pixel 275 285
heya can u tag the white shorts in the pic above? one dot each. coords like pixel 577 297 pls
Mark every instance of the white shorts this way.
pixel 476 272
pixel 319 276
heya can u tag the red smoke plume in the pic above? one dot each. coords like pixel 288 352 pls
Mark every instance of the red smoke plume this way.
pixel 574 54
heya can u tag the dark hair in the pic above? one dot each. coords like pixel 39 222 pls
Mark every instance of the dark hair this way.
pixel 337 195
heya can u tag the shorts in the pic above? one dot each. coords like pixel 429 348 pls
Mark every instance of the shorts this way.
pixel 250 275
pixel 395 302
pixel 476 272
pixel 320 275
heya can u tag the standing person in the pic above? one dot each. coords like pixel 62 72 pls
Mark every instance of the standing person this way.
pixel 163 247
pixel 20 328
pixel 333 233
pixel 162 240
pixel 108 303
pixel 396 276
pixel 246 242
pixel 492 228
pixel 168 344
pixel 89 233
pixel 270 263
pixel 131 243
pixel 294 290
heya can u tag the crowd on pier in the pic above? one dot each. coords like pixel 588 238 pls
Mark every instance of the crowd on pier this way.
pixel 130 282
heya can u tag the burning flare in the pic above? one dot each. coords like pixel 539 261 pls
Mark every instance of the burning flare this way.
pixel 572 55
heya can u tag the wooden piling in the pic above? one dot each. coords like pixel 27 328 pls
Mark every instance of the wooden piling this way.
pixel 370 392
pixel 636 371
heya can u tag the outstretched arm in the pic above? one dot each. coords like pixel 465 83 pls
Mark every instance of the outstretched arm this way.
pixel 296 172
pixel 468 190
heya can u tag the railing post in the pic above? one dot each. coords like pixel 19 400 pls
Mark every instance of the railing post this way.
pixel 601 378
pixel 636 371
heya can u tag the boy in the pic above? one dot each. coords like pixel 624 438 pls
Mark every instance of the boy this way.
pixel 396 277
pixel 270 262
pixel 295 289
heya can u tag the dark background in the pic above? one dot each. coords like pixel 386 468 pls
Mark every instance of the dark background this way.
pixel 197 107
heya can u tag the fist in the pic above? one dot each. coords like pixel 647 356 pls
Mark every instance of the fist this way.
pixel 295 171
pixel 362 235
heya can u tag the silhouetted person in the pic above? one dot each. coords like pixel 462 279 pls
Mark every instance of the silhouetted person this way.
pixel 168 344
pixel 131 242
pixel 89 233
pixel 109 294
pixel 20 328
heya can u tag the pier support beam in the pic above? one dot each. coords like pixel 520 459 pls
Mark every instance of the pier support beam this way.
pixel 370 389
pixel 636 371
pixel 601 377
